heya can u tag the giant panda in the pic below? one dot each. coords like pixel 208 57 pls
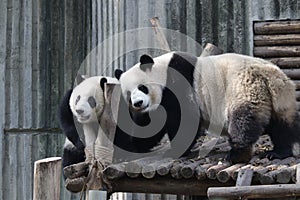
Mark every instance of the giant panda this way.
pixel 239 95
pixel 82 105
pixel 80 110
pixel 73 150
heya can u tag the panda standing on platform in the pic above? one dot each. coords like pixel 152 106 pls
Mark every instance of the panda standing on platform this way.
pixel 242 96
pixel 84 104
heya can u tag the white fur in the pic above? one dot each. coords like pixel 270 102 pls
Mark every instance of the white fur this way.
pixel 89 117
pixel 154 80
pixel 221 84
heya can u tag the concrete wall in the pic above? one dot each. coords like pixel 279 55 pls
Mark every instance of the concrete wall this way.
pixel 43 44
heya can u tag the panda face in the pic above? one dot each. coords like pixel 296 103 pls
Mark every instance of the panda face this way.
pixel 87 100
pixel 143 84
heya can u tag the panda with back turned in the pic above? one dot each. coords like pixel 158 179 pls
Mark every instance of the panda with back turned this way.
pixel 242 96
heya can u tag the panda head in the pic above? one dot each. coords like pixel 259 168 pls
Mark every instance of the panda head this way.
pixel 143 84
pixel 87 98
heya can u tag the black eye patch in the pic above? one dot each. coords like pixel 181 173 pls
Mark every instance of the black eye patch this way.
pixel 77 99
pixel 143 88
pixel 92 102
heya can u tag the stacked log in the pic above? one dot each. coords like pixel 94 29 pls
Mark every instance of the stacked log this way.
pixel 279 42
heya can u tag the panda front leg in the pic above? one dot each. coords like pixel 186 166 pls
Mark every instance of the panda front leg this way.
pixel 244 129
pixel 90 131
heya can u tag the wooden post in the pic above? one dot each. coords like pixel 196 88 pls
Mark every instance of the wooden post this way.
pixel 47 174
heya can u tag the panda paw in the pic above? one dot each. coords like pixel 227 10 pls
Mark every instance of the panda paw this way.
pixel 241 155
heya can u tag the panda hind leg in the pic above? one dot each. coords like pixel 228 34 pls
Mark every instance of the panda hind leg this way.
pixel 244 130
pixel 283 136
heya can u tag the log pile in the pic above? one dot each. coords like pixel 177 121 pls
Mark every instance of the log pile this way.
pixel 279 42
pixel 211 170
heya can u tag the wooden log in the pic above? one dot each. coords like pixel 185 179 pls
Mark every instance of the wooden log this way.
pixel 283 27
pixel 213 171
pixel 270 177
pixel 285 175
pixel 134 168
pixel 297 83
pixel 76 170
pixel 176 168
pixel 244 177
pixel 277 51
pixel 298 174
pixel 114 171
pixel 225 175
pixel 149 171
pixel 200 171
pixel 76 184
pixel 164 168
pixel 211 49
pixel 286 62
pixel 292 73
pixel 253 192
pixel 187 171
pixel 273 40
pixel 47 173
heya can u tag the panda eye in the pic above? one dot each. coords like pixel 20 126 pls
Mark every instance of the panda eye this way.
pixel 92 102
pixel 77 99
pixel 143 88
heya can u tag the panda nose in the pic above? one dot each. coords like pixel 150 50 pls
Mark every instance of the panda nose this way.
pixel 138 104
pixel 79 111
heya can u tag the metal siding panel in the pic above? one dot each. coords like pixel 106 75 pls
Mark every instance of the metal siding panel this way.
pixel 26 65
pixel 3 21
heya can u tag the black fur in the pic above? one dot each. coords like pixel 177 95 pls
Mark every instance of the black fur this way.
pixel 102 83
pixel 283 137
pixel 244 130
pixel 118 73
pixel 71 154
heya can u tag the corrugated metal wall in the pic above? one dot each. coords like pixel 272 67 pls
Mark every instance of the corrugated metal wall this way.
pixel 43 43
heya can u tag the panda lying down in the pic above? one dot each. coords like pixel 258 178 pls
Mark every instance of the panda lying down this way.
pixel 239 95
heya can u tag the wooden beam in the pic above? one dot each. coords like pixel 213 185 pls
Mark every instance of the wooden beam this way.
pixel 283 27
pixel 286 62
pixel 292 73
pixel 277 51
pixel 165 185
pixel 47 174
pixel 261 191
pixel 297 83
pixel 273 40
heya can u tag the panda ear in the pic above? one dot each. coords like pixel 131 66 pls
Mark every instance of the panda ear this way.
pixel 118 73
pixel 146 62
pixel 103 80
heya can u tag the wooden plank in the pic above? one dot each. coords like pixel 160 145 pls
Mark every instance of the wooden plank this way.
pixel 286 62
pixel 273 40
pixel 277 27
pixel 277 51
pixel 244 177
pixel 260 191
pixel 165 185
pixel 47 173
